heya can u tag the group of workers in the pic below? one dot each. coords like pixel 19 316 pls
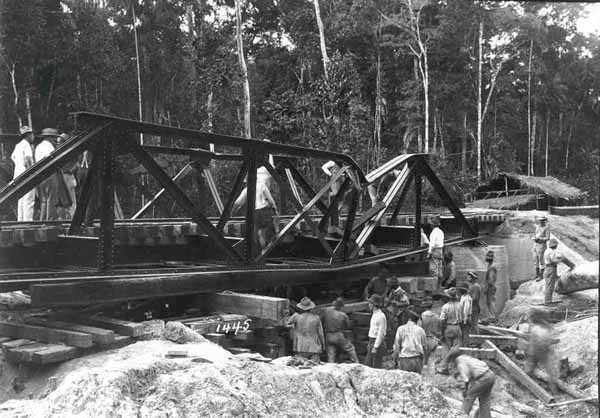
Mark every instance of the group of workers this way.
pixel 56 194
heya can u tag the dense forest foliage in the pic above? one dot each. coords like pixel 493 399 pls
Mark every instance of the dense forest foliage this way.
pixel 483 86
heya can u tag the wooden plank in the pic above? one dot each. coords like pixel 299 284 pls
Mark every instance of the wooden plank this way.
pixel 24 353
pixel 265 307
pixel 16 343
pixel 47 335
pixel 361 318
pixel 129 329
pixel 500 341
pixel 480 353
pixel 99 335
pixel 54 354
pixel 569 390
pixel 572 401
pixel 518 374
pixel 228 325
pixel 5 339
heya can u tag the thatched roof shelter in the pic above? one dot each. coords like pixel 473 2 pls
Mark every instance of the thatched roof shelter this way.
pixel 549 191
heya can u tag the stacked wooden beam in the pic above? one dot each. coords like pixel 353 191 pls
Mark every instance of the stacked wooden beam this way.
pixel 45 340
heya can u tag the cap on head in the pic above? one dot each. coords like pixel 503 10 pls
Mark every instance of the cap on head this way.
pixel 552 243
pixel 376 300
pixel 51 132
pixel 472 275
pixel 338 303
pixel 25 130
pixel 305 304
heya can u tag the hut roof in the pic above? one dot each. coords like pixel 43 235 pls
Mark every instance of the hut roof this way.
pixel 549 185
pixel 505 202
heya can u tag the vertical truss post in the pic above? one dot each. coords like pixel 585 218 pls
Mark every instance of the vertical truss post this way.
pixel 86 194
pixel 343 244
pixel 418 193
pixel 107 209
pixel 236 189
pixel 250 203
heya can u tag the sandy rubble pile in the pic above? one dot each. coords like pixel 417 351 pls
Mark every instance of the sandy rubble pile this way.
pixel 140 381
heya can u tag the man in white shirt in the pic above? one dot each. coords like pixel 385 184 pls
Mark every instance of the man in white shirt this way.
pixel 552 257
pixel 409 345
pixel 22 156
pixel 264 210
pixel 377 331
pixel 466 308
pixel 435 253
pixel 48 189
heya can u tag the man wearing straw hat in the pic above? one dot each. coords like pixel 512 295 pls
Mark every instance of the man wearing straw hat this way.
pixel 335 322
pixel 540 238
pixel 308 340
pixel 435 253
pixel 22 156
pixel 48 189
pixel 377 332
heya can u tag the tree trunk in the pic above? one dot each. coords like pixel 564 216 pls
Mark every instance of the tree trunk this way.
pixel 28 106
pixel 139 76
pixel 16 93
pixel 529 154
pixel 441 133
pixel 321 39
pixel 533 137
pixel 547 135
pixel 435 130
pixel 420 141
pixel 426 93
pixel 243 69
pixel 463 153
pixel 479 92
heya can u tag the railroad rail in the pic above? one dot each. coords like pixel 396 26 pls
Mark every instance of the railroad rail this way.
pixel 88 261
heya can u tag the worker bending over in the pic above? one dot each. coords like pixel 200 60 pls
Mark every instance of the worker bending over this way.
pixel 410 345
pixel 478 379
pixel 308 338
pixel 539 347
pixel 23 158
pixel 335 322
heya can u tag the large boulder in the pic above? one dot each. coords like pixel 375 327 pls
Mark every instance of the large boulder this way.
pixel 139 381
pixel 178 333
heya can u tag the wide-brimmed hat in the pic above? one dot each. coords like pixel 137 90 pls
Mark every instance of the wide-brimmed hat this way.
pixel 338 303
pixel 376 300
pixel 451 293
pixel 462 286
pixel 472 275
pixel 489 255
pixel 49 132
pixel 541 218
pixel 306 304
pixel 25 130
pixel 435 220
pixel 552 242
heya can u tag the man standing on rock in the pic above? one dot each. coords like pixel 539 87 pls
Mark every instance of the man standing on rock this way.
pixel 335 322
pixel 436 250
pixel 377 331
pixel 490 285
pixel 475 292
pixel 410 345
pixel 308 340
pixel 478 378
pixel 551 259
pixel 540 238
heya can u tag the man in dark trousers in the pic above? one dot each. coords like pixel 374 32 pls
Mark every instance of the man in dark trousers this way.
pixel 478 378
pixel 490 285
pixel 410 345
pixel 335 322
pixel 450 320
pixel 377 331
pixel 475 292
pixel 308 337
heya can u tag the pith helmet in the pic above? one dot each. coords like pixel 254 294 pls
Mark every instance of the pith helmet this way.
pixel 25 130
pixel 49 132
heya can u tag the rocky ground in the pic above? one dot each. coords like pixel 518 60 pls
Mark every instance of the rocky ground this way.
pixel 138 381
